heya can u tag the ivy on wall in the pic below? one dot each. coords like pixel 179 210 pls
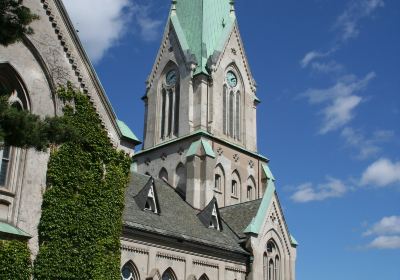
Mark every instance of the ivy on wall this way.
pixel 82 207
pixel 15 262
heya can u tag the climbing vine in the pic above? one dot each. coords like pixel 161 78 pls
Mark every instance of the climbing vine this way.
pixel 15 262
pixel 82 207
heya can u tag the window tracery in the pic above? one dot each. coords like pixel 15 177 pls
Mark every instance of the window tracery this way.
pixel 271 262
pixel 129 272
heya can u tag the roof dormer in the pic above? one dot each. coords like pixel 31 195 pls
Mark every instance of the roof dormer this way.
pixel 147 198
pixel 210 216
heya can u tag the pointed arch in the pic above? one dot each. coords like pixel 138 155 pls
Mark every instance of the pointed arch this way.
pixel 204 277
pixel 169 101
pixel 235 184
pixel 272 256
pixel 13 86
pixel 180 179
pixel 169 274
pixel 129 271
pixel 163 174
pixel 219 184
pixel 251 188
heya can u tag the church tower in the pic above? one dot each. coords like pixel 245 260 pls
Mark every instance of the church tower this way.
pixel 200 109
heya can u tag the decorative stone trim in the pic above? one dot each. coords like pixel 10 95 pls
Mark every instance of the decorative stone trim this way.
pixel 235 269
pixel 170 257
pixel 206 264
pixel 134 249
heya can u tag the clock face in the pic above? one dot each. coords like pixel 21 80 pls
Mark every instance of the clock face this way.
pixel 171 77
pixel 231 79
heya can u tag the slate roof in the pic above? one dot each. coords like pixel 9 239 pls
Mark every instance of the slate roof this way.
pixel 176 218
pixel 239 216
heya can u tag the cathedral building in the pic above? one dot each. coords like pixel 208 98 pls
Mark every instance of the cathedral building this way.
pixel 201 202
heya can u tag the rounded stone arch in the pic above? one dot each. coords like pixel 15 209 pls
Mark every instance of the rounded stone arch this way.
pixel 180 179
pixel 169 274
pixel 129 271
pixel 163 174
pixel 251 188
pixel 236 184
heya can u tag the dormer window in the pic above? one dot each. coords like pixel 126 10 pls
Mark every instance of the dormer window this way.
pixel 210 217
pixel 151 201
pixel 147 199
pixel 214 219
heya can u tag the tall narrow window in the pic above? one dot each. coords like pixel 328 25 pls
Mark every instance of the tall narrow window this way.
pixel 277 268
pixel 249 192
pixel 217 182
pixel 163 112
pixel 5 160
pixel 170 99
pixel 234 187
pixel 225 111
pixel 270 270
pixel 176 112
pixel 231 113
pixel 231 106
pixel 272 257
pixel 237 116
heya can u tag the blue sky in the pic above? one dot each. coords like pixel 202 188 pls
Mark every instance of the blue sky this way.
pixel 329 80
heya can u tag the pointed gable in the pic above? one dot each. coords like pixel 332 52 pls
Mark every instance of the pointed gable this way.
pixel 210 216
pixel 147 198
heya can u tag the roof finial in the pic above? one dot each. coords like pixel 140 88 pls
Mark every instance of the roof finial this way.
pixel 232 3
pixel 174 4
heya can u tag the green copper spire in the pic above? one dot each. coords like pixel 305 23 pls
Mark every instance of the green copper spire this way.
pixel 203 27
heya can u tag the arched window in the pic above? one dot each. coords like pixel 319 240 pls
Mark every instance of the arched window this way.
pixel 235 185
pixel 129 272
pixel 251 188
pixel 163 174
pixel 180 179
pixel 271 258
pixel 231 105
pixel 169 275
pixel 219 185
pixel 12 86
pixel 170 101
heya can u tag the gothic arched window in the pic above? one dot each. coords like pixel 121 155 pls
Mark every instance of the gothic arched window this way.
pixel 170 100
pixel 129 272
pixel 271 262
pixel 235 184
pixel 11 86
pixel 169 275
pixel 163 174
pixel 251 188
pixel 231 105
pixel 180 179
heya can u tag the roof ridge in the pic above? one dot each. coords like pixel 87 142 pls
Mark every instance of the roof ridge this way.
pixel 242 203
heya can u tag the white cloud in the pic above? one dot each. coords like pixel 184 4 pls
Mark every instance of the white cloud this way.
pixel 149 27
pixel 365 146
pixel 348 22
pixel 103 24
pixel 327 67
pixel 307 192
pixel 385 242
pixel 310 56
pixel 387 225
pixel 381 173
pixel 340 100
pixel 100 25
